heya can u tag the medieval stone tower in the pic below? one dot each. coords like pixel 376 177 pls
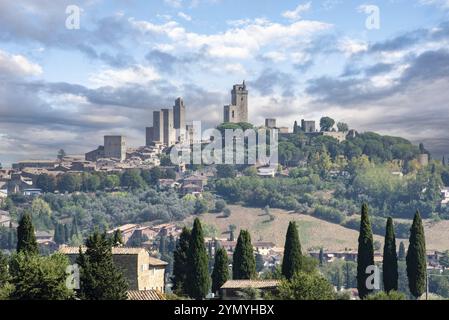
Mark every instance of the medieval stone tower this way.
pixel 238 110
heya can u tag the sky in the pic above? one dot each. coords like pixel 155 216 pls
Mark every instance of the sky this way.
pixel 379 66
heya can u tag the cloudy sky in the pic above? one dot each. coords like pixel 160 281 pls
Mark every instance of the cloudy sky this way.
pixel 65 88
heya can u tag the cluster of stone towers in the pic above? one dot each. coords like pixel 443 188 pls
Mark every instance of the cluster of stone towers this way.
pixel 237 111
pixel 167 125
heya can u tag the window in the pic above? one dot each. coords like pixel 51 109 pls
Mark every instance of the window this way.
pixel 233 114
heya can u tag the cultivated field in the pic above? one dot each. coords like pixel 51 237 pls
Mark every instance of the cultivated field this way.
pixel 314 233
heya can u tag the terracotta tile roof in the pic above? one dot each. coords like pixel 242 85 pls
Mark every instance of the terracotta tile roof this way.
pixel 145 295
pixel 257 284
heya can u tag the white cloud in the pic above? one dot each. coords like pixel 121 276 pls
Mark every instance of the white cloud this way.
pixel 174 3
pixel 17 65
pixel 184 16
pixel 444 4
pixel 296 14
pixel 351 46
pixel 238 42
pixel 122 77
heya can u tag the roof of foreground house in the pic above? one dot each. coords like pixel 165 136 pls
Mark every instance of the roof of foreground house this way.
pixel 145 295
pixel 256 284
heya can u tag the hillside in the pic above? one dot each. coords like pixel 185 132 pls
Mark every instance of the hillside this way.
pixel 314 233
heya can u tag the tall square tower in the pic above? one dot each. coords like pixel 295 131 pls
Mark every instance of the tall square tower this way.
pixel 238 110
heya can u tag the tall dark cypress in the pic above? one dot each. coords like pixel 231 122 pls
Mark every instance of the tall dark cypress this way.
pixel 117 239
pixel 26 239
pixel 67 236
pixel 390 259
pixel 221 272
pixel 74 230
pixel 416 258
pixel 292 260
pixel 365 257
pixel 100 278
pixel 198 278
pixel 244 260
pixel 180 268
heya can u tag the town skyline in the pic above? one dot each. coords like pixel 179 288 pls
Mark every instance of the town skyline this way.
pixel 300 59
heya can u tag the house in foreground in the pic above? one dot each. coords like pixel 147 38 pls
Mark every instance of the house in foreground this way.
pixel 145 295
pixel 142 271
pixel 233 289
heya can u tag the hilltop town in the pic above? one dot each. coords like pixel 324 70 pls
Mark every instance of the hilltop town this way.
pixel 325 170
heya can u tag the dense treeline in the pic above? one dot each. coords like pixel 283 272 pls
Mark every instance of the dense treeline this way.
pixel 101 181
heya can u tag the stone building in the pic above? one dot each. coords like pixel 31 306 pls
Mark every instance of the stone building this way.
pixel 237 111
pixel 232 289
pixel 149 136
pixel 179 114
pixel 142 271
pixel 169 137
pixel 308 126
pixel 158 126
pixel 96 154
pixel 270 123
pixel 115 147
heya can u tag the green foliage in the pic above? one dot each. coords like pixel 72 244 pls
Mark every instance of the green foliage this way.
pixel 390 259
pixel 220 205
pixel 306 286
pixel 326 124
pixel 26 240
pixel 342 127
pixel 291 263
pixel 225 171
pixel 100 279
pixel 201 206
pixel 39 278
pixel 180 263
pixel 46 182
pixel 198 280
pixel 416 258
pixel 69 183
pixel 220 274
pixel 329 214
pixel 117 239
pixel 132 179
pixel 244 262
pixel 365 257
pixel 392 295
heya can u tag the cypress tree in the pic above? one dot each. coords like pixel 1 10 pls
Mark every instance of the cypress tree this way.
pixel 26 239
pixel 401 253
pixel 67 236
pixel 163 245
pixel 100 279
pixel 390 259
pixel 365 257
pixel 416 258
pixel 117 239
pixel 180 263
pixel 198 278
pixel 291 263
pixel 244 261
pixel 221 272
pixel 74 230
pixel 57 234
pixel 321 257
